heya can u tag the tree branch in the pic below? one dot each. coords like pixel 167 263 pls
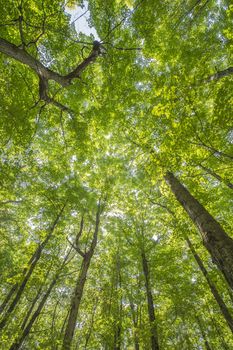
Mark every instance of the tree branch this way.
pixel 219 75
pixel 45 74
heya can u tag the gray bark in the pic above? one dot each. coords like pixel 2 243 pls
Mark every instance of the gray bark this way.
pixel 215 239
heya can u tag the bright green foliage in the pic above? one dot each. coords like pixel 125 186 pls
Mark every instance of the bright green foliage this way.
pixel 156 99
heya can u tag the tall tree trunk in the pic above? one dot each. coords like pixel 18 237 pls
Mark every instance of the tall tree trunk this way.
pixel 135 323
pixel 28 314
pixel 118 317
pixel 8 297
pixel 33 262
pixel 18 343
pixel 150 303
pixel 215 239
pixel 78 292
pixel 207 344
pixel 90 329
pixel 225 312
pixel 218 177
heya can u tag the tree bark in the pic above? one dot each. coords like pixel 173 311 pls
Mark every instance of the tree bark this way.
pixel 78 292
pixel 33 262
pixel 215 239
pixel 225 312
pixel 45 74
pixel 150 303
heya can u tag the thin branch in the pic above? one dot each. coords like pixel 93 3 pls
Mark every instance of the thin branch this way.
pixel 78 250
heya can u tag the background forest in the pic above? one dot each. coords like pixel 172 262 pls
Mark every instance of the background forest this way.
pixel 116 175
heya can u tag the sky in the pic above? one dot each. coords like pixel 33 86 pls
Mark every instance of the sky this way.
pixel 81 24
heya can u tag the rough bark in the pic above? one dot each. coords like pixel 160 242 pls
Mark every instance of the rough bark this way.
pixel 225 312
pixel 78 292
pixel 33 262
pixel 150 303
pixel 215 239
pixel 218 177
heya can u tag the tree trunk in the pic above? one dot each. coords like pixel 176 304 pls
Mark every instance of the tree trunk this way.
pixel 8 297
pixel 78 292
pixel 33 262
pixel 215 239
pixel 28 314
pixel 150 304
pixel 225 312
pixel 90 329
pixel 218 177
pixel 207 344
pixel 135 323
pixel 18 343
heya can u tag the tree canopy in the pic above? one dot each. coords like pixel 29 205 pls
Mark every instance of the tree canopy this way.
pixel 116 175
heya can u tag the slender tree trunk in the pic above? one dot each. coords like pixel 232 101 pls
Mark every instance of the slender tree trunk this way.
pixel 88 335
pixel 18 343
pixel 34 260
pixel 215 239
pixel 78 292
pixel 135 324
pixel 150 303
pixel 225 312
pixel 218 177
pixel 8 297
pixel 118 318
pixel 207 344
pixel 38 294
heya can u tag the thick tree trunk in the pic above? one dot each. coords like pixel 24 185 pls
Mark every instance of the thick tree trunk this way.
pixel 33 262
pixel 225 312
pixel 218 177
pixel 215 239
pixel 78 292
pixel 150 304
